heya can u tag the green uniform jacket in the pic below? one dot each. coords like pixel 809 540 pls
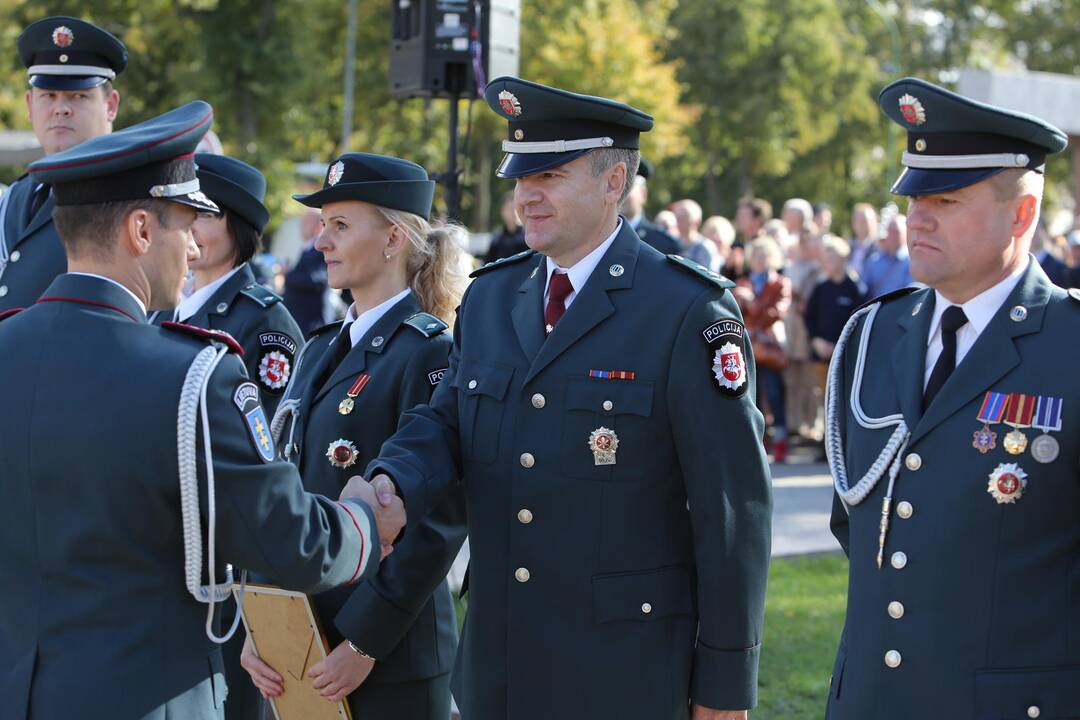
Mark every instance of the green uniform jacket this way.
pixel 600 590
pixel 982 605
pixel 35 254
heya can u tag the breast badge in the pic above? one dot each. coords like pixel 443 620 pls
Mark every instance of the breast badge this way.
pixel 1007 483
pixel 604 444
pixel 341 453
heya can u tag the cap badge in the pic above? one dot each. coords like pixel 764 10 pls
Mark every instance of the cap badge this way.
pixel 62 36
pixel 337 170
pixel 912 110
pixel 509 103
pixel 1007 483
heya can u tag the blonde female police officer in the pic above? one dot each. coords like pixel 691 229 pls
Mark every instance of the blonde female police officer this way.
pixel 393 639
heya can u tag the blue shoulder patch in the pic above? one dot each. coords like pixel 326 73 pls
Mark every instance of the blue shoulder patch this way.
pixel 426 324
pixel 264 296
pixel 702 272
pixel 513 259
pixel 246 397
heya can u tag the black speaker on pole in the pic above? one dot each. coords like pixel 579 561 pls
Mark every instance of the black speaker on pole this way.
pixel 448 48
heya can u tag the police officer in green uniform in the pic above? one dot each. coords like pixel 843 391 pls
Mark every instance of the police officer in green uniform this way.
pixel 226 295
pixel 619 550
pixel 108 429
pixel 70 65
pixel 953 438
pixel 392 639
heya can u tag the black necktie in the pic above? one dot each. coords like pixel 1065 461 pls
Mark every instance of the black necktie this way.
pixel 342 346
pixel 37 199
pixel 952 320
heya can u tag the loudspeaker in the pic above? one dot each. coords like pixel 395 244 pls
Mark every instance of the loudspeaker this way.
pixel 442 47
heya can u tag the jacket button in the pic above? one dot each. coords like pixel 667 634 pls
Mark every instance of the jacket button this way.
pixel 893 659
pixel 3 290
pixel 527 460
pixel 898 560
pixel 608 405
pixel 1034 711
pixel 896 610
pixel 913 462
pixel 472 384
pixel 538 401
pixel 525 516
pixel 646 608
pixel 522 575
pixel 905 509
pixel 15 256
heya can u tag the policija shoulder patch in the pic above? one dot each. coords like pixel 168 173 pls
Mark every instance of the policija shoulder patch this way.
pixel 247 402
pixel 725 340
pixel 275 361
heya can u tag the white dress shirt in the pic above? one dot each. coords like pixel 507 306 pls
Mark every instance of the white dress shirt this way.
pixel 194 302
pixel 122 287
pixel 581 270
pixel 363 323
pixel 979 310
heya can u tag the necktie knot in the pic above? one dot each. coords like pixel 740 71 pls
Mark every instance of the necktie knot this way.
pixel 953 319
pixel 559 287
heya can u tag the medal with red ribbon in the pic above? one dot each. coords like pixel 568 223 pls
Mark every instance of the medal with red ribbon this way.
pixel 346 405
pixel 993 408
pixel 1018 415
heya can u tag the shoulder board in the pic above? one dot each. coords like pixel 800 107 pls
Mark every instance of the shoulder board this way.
pixel 703 272
pixel 1074 293
pixel 501 263
pixel 264 296
pixel 8 313
pixel 335 326
pixel 888 297
pixel 219 336
pixel 426 324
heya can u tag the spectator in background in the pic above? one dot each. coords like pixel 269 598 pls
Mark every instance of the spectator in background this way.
pixel 887 268
pixel 864 227
pixel 777 231
pixel 800 377
pixel 1055 269
pixel 306 291
pixel 797 215
pixel 666 221
pixel 765 298
pixel 750 217
pixel 721 233
pixel 633 209
pixel 823 217
pixel 510 238
pixel 694 245
pixel 833 301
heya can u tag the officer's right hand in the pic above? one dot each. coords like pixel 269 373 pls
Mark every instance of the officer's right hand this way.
pixel 381 496
pixel 264 677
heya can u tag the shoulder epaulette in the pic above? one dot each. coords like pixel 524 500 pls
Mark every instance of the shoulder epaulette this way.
pixel 219 336
pixel 335 325
pixel 502 263
pixel 888 297
pixel 701 271
pixel 426 324
pixel 261 294
pixel 8 313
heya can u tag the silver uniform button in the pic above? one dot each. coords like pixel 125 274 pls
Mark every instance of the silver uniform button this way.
pixel 608 405
pixel 893 659
pixel 538 401
pixel 898 560
pixel 1018 314
pixel 527 460
pixel 896 610
pixel 222 307
pixel 15 256
pixel 616 270
pixel 3 290
pixel 525 516
pixel 913 462
pixel 904 509
pixel 472 384
pixel 1034 711
pixel 646 608
pixel 522 575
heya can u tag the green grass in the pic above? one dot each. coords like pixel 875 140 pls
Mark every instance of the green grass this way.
pixel 804 614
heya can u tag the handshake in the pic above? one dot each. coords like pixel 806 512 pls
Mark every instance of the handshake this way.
pixel 381 496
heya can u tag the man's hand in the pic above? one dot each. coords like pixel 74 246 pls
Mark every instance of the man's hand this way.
pixel 381 496
pixel 340 673
pixel 700 712
pixel 264 677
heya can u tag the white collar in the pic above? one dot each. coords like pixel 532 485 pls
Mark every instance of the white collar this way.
pixel 361 324
pixel 580 271
pixel 980 310
pixel 117 284
pixel 194 302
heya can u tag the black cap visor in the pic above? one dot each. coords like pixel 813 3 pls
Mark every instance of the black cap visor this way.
pixel 66 83
pixel 228 194
pixel 412 196
pixel 918 181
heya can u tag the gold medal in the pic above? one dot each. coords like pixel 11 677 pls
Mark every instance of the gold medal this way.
pixel 1019 415
pixel 347 404
pixel 1015 443
pixel 604 444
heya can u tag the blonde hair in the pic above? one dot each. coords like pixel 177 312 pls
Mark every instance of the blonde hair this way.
pixel 433 265
pixel 837 245
pixel 773 255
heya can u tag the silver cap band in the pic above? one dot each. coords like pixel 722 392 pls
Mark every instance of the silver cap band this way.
pixel 76 70
pixel 965 162
pixel 176 189
pixel 556 146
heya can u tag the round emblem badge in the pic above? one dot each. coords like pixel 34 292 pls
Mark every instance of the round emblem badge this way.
pixel 337 170
pixel 1007 483
pixel 341 453
pixel 509 103
pixel 62 36
pixel 274 370
pixel 1045 449
pixel 912 110
pixel 604 443
pixel 729 366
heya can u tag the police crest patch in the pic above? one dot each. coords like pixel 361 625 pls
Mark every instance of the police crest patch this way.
pixel 274 371
pixel 725 340
pixel 246 398
pixel 62 36
pixel 912 110
pixel 509 103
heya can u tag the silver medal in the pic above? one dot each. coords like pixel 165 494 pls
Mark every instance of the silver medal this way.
pixel 1045 449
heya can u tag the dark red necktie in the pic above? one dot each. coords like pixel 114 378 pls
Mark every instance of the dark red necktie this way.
pixel 559 288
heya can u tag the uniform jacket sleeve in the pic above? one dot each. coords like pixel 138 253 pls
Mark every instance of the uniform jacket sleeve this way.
pixel 379 613
pixel 274 319
pixel 266 522
pixel 728 487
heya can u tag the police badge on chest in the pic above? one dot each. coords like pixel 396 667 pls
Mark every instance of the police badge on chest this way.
pixel 725 339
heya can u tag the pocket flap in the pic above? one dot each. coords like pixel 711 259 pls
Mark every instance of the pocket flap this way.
pixel 643 596
pixel 625 396
pixel 475 377
pixel 1010 693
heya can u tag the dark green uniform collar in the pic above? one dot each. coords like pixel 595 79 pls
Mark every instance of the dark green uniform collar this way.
pixel 96 292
